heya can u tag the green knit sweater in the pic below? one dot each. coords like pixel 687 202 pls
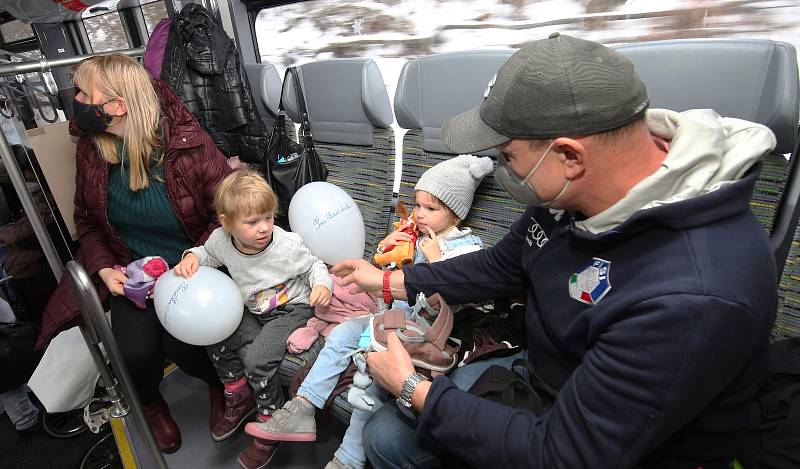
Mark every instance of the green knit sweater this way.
pixel 144 218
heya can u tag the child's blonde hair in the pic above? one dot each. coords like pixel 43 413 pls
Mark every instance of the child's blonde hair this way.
pixel 244 193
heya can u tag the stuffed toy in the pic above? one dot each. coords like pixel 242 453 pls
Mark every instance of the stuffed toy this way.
pixel 142 275
pixel 401 253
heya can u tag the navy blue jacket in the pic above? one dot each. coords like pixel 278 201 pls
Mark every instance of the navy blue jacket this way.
pixel 658 371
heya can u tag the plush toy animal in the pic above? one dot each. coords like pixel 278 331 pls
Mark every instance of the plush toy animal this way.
pixel 402 253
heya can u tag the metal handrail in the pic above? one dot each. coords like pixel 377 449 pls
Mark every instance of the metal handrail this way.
pixel 43 65
pixel 92 312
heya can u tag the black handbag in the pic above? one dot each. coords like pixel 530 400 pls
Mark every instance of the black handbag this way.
pixel 289 165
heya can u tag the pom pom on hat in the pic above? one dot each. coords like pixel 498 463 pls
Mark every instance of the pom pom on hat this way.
pixel 454 181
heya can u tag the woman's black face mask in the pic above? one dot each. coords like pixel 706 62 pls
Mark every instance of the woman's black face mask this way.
pixel 91 117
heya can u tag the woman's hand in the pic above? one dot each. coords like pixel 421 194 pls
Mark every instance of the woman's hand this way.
pixel 114 280
pixel 187 266
pixel 395 238
pixel 320 295
pixel 430 247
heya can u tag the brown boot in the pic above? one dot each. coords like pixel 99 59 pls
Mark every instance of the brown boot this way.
pixel 239 405
pixel 258 454
pixel 165 430
pixel 216 399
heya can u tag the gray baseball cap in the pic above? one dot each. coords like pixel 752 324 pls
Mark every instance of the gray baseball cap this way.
pixel 553 87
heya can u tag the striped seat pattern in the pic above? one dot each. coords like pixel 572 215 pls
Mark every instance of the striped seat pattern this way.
pixel 366 175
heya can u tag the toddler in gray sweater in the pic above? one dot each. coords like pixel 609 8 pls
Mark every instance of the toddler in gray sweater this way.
pixel 280 281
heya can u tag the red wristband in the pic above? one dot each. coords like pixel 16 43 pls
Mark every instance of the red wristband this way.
pixel 387 291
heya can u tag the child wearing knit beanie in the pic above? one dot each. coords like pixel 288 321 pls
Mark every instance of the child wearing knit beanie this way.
pixel 442 198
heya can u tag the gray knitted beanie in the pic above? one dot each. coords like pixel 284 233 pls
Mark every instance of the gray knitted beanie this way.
pixel 454 181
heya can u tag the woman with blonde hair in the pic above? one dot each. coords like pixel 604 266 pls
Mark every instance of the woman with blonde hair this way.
pixel 145 183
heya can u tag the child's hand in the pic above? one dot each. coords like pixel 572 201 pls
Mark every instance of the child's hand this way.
pixel 320 295
pixel 430 247
pixel 187 266
pixel 396 237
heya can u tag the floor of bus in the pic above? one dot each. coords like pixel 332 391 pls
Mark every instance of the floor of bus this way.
pixel 38 449
pixel 188 401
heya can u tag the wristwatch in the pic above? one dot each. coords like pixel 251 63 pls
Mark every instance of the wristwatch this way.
pixel 409 385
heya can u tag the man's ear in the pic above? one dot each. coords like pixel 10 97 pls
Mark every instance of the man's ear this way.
pixel 572 154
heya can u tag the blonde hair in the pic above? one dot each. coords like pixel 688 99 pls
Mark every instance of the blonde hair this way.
pixel 119 76
pixel 242 193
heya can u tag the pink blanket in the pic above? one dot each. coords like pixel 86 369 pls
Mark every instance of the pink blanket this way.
pixel 344 305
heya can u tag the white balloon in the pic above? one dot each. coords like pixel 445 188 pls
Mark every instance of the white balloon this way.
pixel 202 310
pixel 329 222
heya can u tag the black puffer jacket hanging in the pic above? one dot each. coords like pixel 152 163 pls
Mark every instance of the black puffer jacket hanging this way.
pixel 203 66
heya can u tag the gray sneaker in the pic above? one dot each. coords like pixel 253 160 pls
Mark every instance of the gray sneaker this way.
pixel 336 464
pixel 293 422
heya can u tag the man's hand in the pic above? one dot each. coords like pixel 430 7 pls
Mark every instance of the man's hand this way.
pixel 366 276
pixel 187 266
pixel 114 280
pixel 320 295
pixel 390 368
pixel 430 247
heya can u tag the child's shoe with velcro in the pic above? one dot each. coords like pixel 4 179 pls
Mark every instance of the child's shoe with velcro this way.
pixel 239 405
pixel 293 422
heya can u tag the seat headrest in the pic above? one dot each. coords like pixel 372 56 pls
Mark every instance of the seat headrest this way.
pixel 266 85
pixel 755 80
pixel 345 98
pixel 435 88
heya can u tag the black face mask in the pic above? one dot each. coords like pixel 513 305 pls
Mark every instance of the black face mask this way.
pixel 91 117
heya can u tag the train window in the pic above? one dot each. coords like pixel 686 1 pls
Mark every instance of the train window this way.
pixel 15 31
pixel 154 12
pixel 391 30
pixel 106 32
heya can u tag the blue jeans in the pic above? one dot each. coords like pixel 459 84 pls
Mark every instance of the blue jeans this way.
pixel 332 361
pixel 20 409
pixel 320 381
pixel 391 439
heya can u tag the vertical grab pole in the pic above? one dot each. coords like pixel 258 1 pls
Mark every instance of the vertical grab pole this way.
pixel 92 312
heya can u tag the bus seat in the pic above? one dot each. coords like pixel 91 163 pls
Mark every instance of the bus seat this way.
pixel 755 80
pixel 266 83
pixel 429 91
pixel 350 117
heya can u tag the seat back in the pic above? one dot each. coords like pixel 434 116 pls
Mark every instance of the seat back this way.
pixel 266 83
pixel 431 90
pixel 755 80
pixel 350 116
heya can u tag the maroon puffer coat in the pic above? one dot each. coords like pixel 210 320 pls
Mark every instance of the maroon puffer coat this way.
pixel 192 169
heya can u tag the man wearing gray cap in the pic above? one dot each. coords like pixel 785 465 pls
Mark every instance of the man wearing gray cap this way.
pixel 648 307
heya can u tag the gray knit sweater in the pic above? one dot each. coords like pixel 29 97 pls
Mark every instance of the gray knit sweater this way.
pixel 282 273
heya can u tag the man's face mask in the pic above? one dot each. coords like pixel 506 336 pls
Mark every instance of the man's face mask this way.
pixel 519 188
pixel 91 118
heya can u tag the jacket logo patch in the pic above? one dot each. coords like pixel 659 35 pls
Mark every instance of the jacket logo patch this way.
pixel 592 282
pixel 535 234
